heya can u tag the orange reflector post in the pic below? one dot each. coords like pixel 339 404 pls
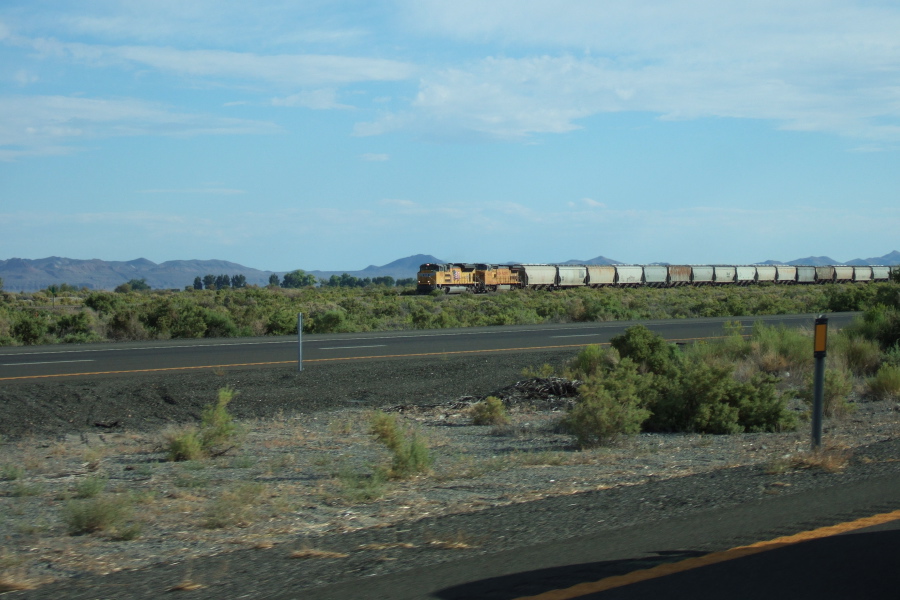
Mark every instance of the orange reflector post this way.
pixel 820 342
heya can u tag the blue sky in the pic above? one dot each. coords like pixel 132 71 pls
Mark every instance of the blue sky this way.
pixel 334 135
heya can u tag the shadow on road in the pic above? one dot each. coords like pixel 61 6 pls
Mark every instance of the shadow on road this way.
pixel 531 583
pixel 863 564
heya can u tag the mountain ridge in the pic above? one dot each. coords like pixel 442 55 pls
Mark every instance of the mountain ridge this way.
pixel 35 274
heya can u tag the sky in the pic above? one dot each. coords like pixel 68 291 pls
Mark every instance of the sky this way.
pixel 333 135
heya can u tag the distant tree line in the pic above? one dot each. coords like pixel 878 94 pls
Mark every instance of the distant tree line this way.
pixel 219 282
pixel 299 279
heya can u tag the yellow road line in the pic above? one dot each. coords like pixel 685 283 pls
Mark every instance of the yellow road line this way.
pixel 287 362
pixel 582 589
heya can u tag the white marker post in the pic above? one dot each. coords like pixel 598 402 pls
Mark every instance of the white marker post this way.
pixel 299 342
pixel 820 342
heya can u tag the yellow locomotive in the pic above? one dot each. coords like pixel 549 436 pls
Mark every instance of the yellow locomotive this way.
pixel 454 278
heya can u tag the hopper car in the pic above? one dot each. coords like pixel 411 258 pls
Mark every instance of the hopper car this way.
pixel 453 278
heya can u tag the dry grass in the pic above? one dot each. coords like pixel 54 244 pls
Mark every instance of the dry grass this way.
pixel 186 586
pixel 458 541
pixel 388 546
pixel 308 476
pixel 311 553
pixel 830 460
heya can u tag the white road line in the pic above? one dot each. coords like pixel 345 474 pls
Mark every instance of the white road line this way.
pixel 353 347
pixel 46 362
pixel 578 335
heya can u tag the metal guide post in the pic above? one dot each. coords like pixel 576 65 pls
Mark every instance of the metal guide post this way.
pixel 820 343
pixel 299 342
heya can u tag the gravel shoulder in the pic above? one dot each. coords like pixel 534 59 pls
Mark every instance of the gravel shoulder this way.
pixel 300 486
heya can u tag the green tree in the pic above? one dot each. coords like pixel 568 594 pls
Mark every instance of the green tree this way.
pixel 273 280
pixel 297 279
pixel 198 283
pixel 209 281
pixel 138 285
pixel 238 281
pixel 223 282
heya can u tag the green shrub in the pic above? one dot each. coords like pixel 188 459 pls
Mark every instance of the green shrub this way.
pixel 838 385
pixel 218 431
pixel 698 398
pixel 649 350
pixel 861 355
pixel 592 360
pixel 779 349
pixel 490 411
pixel 542 372
pixel 892 356
pixel 183 443
pixel 103 513
pixel 886 382
pixel 90 486
pixel 602 414
pixel 217 434
pixel 233 507
pixel 30 328
pixel 10 472
pixel 361 487
pixel 410 453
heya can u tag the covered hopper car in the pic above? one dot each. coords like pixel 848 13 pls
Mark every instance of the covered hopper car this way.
pixel 483 277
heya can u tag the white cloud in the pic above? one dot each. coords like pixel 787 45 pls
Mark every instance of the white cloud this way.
pixel 43 125
pixel 293 69
pixel 809 66
pixel 323 99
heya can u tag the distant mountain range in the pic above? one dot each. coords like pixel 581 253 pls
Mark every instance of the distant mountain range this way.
pixel 888 259
pixel 21 274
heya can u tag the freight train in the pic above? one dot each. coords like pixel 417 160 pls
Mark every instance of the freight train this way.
pixel 454 278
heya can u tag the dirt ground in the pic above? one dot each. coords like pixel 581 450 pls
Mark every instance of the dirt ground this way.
pixel 306 468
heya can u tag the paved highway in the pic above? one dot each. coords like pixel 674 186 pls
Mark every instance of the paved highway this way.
pixel 32 362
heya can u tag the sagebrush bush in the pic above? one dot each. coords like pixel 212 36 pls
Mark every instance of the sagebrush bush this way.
pixel 880 324
pixel 603 411
pixel 647 349
pixel 861 355
pixel 90 486
pixel 217 427
pixel 232 507
pixel 102 513
pixel 217 434
pixel 838 384
pixel 409 450
pixel 705 398
pixel 779 349
pixel 886 382
pixel 183 443
pixel 591 360
pixel 490 411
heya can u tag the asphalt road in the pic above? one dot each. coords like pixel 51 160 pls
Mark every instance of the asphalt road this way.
pixel 841 559
pixel 30 362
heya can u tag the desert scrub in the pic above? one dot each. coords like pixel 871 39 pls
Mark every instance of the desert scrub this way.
pixel 102 513
pixel 601 414
pixel 688 391
pixel 361 487
pixel 217 434
pixel 409 450
pixel 233 507
pixel 591 360
pixel 489 411
pixel 90 486
pixel 11 472
pixel 838 385
pixel 886 382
